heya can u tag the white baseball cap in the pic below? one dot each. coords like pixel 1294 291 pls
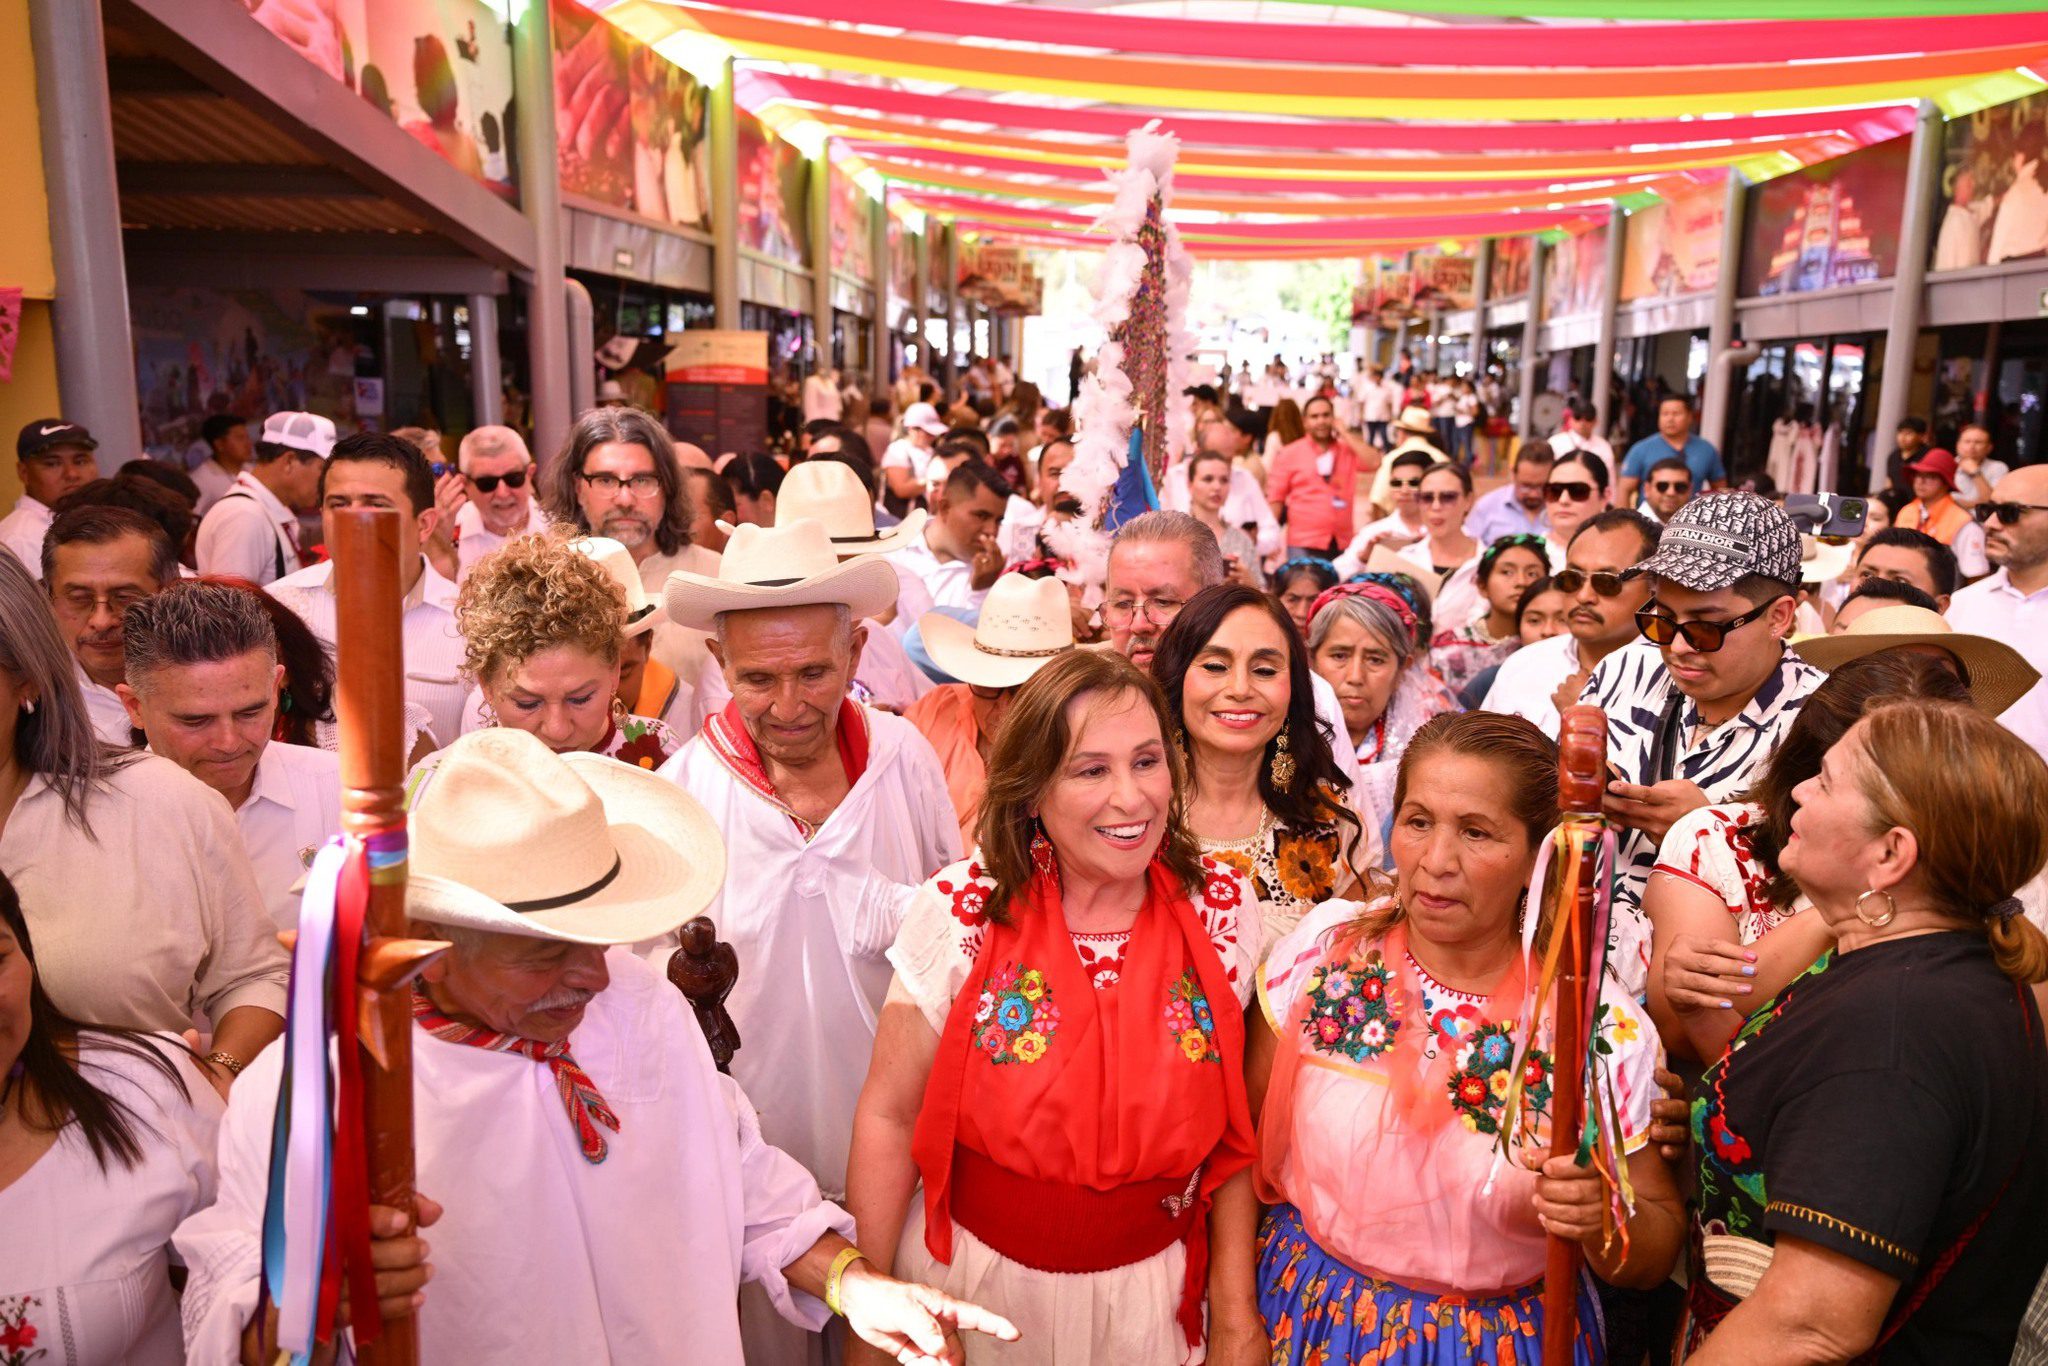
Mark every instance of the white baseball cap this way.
pixel 308 432
pixel 922 417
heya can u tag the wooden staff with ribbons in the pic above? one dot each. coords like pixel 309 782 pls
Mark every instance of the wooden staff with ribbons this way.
pixel 1579 935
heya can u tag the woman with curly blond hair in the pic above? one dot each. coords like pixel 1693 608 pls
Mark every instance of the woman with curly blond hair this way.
pixel 544 620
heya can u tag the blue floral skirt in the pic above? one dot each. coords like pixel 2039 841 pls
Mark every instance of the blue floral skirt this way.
pixel 1320 1312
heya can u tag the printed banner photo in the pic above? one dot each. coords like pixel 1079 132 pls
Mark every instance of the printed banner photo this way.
pixel 1994 187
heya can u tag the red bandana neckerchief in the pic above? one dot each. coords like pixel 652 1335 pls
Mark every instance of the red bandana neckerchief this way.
pixel 587 1108
pixel 726 733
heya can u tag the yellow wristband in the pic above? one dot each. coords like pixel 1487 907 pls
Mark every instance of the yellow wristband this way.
pixel 847 1257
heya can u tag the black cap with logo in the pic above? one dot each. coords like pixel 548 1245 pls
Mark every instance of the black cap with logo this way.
pixel 47 434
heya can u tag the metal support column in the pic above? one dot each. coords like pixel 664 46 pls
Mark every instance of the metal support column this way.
pixel 880 362
pixel 1721 332
pixel 1482 266
pixel 486 372
pixel 89 316
pixel 582 329
pixel 920 301
pixel 548 360
pixel 724 136
pixel 952 269
pixel 1532 332
pixel 1909 284
pixel 1610 308
pixel 821 259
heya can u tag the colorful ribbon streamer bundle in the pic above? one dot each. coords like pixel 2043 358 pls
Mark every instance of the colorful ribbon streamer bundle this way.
pixel 316 1222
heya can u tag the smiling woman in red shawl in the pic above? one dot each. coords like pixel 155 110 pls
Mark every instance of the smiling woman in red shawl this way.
pixel 1059 1059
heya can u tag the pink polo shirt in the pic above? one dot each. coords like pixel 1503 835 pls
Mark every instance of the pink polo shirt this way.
pixel 1319 510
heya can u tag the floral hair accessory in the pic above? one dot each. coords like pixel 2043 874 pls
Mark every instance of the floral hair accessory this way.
pixel 1521 540
pixel 1376 592
pixel 2004 910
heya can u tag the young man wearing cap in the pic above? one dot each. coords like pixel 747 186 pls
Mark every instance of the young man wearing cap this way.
pixel 202 679
pixel 595 1189
pixel 53 457
pixel 1696 707
pixel 252 531
pixel 485 501
pixel 1536 680
pixel 228 448
pixel 906 464
pixel 378 470
pixel 2012 604
pixel 1674 436
pixel 835 812
pixel 1935 511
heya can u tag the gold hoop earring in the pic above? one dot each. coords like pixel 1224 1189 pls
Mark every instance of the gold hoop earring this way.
pixel 1877 922
pixel 1282 771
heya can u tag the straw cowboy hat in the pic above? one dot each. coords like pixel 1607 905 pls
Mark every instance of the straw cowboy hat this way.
pixel 1024 625
pixel 1823 561
pixel 1999 675
pixel 511 838
pixel 1385 561
pixel 1415 421
pixel 829 492
pixel 790 565
pixel 642 612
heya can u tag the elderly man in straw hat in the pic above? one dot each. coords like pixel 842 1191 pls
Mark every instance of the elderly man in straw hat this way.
pixel 830 493
pixel 1023 626
pixel 833 815
pixel 596 1190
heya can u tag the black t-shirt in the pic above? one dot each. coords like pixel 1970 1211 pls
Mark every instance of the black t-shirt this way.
pixel 1898 1092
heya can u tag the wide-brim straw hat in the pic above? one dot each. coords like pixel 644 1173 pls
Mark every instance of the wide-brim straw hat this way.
pixel 764 568
pixel 1385 561
pixel 642 612
pixel 1999 674
pixel 509 837
pixel 1024 625
pixel 829 492
pixel 1416 420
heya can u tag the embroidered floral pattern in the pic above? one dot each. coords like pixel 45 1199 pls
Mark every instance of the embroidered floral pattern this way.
pixel 1015 1017
pixel 1485 1068
pixel 1306 861
pixel 17 1335
pixel 1221 891
pixel 970 898
pixel 643 742
pixel 1350 1014
pixel 1190 1021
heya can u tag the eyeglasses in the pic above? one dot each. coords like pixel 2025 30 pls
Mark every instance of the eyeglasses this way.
pixel 1442 498
pixel 1606 582
pixel 487 483
pixel 2007 513
pixel 1704 636
pixel 84 600
pixel 441 467
pixel 1660 486
pixel 1159 611
pixel 1569 489
pixel 1415 483
pixel 640 485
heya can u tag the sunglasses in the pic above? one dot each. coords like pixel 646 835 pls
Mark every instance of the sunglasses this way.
pixel 1606 583
pixel 1705 637
pixel 1661 487
pixel 1441 498
pixel 487 483
pixel 2007 513
pixel 1571 489
pixel 1404 483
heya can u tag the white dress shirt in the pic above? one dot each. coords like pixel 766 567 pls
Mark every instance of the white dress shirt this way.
pixel 152 918
pixel 103 706
pixel 473 540
pixel 248 535
pixel 1568 442
pixel 1528 677
pixel 544 1257
pixel 1997 609
pixel 1354 555
pixel 950 582
pixel 213 480
pixel 432 645
pixel 22 532
pixel 1244 505
pixel 293 808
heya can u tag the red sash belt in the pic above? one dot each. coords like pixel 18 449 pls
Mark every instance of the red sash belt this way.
pixel 1057 1226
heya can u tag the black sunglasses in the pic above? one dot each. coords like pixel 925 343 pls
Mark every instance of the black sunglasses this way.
pixel 1570 488
pixel 1606 582
pixel 1704 636
pixel 1662 487
pixel 1414 483
pixel 486 483
pixel 2007 513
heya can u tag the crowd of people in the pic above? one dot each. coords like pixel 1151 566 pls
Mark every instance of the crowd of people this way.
pixel 1135 931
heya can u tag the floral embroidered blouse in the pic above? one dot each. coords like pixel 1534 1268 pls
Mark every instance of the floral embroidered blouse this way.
pixel 1462 655
pixel 942 930
pixel 643 741
pixel 1293 870
pixel 1385 1133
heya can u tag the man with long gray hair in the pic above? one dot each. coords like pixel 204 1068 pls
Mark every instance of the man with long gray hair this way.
pixel 202 685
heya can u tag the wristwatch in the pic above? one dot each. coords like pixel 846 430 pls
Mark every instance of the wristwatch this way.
pixel 227 1060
